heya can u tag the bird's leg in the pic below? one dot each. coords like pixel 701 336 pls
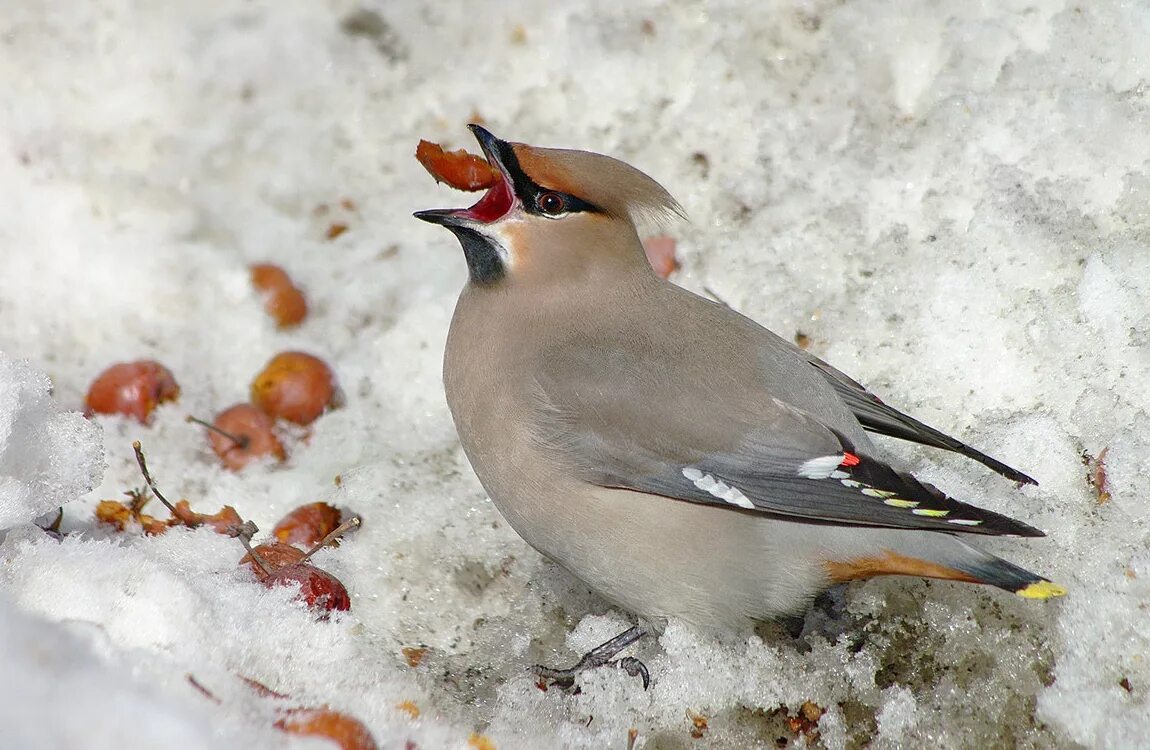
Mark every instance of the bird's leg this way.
pixel 826 618
pixel 601 656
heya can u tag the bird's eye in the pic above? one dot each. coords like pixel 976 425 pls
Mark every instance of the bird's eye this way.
pixel 551 204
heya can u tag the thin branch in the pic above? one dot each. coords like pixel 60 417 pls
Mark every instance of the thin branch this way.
pixel 148 478
pixel 206 693
pixel 336 533
pixel 243 441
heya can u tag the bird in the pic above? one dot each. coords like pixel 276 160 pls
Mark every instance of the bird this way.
pixel 675 456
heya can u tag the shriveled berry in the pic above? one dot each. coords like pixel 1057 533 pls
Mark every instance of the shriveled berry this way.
pixel 348 732
pixel 119 515
pixel 226 521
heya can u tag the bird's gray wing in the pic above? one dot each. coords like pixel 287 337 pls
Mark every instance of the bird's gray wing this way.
pixel 875 416
pixel 623 420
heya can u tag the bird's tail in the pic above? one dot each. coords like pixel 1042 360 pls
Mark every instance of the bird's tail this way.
pixel 983 567
pixel 995 571
pixel 933 555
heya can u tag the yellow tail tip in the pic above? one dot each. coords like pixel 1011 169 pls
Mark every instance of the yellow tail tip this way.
pixel 1042 590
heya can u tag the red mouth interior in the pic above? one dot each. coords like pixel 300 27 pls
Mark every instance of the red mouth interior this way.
pixel 494 204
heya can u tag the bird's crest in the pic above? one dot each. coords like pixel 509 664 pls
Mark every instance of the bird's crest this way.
pixel 614 186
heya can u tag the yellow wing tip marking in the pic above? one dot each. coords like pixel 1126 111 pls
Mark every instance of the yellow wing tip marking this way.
pixel 898 502
pixel 1042 590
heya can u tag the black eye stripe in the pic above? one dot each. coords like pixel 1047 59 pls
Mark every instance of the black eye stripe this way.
pixel 529 192
pixel 571 204
pixel 523 187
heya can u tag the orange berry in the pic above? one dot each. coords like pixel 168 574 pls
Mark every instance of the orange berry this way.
pixel 348 732
pixel 282 299
pixel 459 169
pixel 295 386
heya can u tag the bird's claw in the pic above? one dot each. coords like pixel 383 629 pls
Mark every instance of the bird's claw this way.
pixel 564 679
pixel 635 668
pixel 600 656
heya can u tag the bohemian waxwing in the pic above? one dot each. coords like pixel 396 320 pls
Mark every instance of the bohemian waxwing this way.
pixel 674 455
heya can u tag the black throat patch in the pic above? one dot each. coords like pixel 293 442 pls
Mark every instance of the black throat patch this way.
pixel 484 263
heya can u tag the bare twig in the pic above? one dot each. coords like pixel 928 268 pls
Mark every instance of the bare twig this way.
pixel 206 693
pixel 244 532
pixel 257 558
pixel 148 478
pixel 243 441
pixel 335 533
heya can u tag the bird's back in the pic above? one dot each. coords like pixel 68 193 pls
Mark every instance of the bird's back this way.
pixel 750 358
pixel 713 374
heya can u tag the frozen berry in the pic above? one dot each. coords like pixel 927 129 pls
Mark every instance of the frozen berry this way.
pixel 120 515
pixel 319 589
pixel 279 564
pixel 226 521
pixel 282 299
pixel 307 524
pixel 272 556
pixel 133 389
pixel 295 386
pixel 348 732
pixel 242 434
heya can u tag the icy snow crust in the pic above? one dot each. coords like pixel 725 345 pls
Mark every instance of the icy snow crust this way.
pixel 949 198
pixel 48 456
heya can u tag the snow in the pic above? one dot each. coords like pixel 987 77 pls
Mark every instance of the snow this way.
pixel 48 456
pixel 949 198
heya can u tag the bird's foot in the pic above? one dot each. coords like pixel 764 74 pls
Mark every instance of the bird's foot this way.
pixel 635 668
pixel 564 679
pixel 600 656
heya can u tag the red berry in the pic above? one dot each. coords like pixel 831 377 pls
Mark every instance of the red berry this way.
pixel 246 434
pixel 318 588
pixel 132 389
pixel 307 524
pixel 274 555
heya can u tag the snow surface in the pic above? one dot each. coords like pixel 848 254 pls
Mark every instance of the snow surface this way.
pixel 48 456
pixel 949 198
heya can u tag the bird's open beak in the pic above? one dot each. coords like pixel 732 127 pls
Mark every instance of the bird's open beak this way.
pixel 496 203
